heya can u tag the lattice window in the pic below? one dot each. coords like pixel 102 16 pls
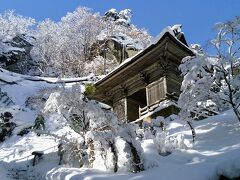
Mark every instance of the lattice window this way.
pixel 156 92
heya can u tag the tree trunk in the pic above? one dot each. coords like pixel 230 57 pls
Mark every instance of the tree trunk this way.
pixel 236 111
pixel 193 130
pixel 137 165
pixel 115 159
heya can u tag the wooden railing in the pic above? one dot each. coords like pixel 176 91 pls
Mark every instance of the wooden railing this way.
pixel 146 109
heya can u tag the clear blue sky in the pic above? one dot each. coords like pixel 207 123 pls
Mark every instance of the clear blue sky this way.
pixel 196 16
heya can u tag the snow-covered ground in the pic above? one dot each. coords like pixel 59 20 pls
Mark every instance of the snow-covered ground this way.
pixel 215 152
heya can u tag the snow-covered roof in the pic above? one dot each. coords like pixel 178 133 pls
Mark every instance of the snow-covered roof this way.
pixel 167 31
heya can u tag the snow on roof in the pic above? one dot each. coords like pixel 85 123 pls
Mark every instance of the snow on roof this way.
pixel 160 35
pixel 169 30
pixel 154 41
pixel 176 28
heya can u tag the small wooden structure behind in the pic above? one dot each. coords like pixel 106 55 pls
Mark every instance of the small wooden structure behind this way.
pixel 148 83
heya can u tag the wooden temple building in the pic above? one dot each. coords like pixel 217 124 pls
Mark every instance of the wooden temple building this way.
pixel 148 84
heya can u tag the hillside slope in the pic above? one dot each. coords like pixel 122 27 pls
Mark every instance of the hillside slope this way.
pixel 216 150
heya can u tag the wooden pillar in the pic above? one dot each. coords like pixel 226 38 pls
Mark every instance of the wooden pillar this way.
pixel 120 108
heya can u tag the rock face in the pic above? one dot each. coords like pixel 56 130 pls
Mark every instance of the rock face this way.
pixel 15 54
pixel 115 48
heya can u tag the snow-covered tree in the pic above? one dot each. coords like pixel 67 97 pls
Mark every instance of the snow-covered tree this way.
pixel 196 94
pixel 46 47
pixel 71 104
pixel 227 66
pixel 12 24
pixel 62 48
pixel 65 48
pixel 211 84
pixel 15 42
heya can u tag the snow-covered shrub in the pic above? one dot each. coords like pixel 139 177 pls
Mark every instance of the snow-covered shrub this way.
pixel 70 104
pixel 101 150
pixel 101 118
pixel 158 132
pixel 115 151
pixel 132 148
pixel 140 133
pixel 151 128
pixel 106 135
pixel 148 134
pixel 73 153
pixel 179 142
pixel 160 142
pixel 79 122
pixel 165 144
